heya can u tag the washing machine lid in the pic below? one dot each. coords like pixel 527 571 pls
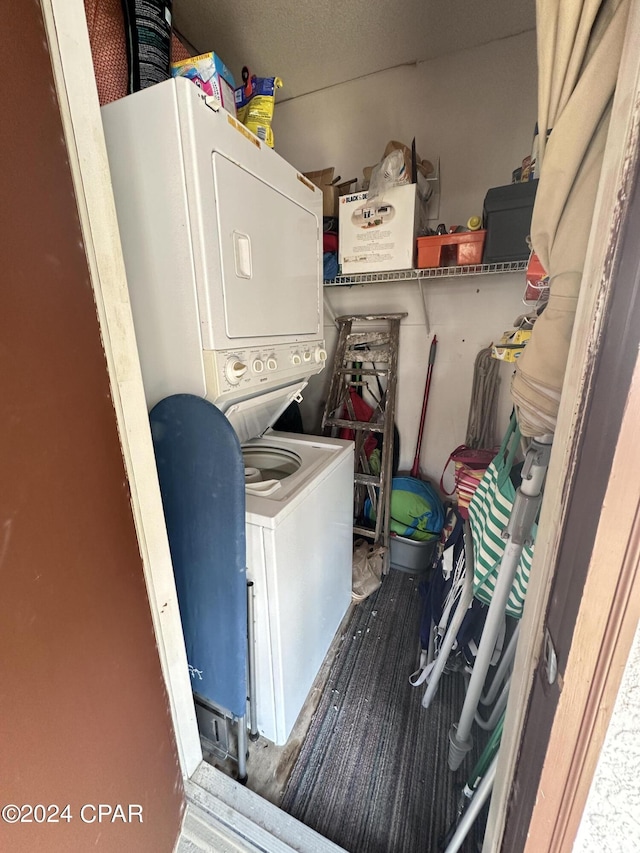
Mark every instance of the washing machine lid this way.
pixel 252 417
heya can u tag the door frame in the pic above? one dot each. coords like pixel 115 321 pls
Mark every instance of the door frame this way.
pixel 71 57
pixel 67 36
pixel 603 636
pixel 598 652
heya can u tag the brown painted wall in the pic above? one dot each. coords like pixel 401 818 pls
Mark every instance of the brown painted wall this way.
pixel 83 709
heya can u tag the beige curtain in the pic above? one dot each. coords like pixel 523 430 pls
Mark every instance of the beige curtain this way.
pixel 579 49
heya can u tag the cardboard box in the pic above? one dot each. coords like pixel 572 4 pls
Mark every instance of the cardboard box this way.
pixel 323 179
pixel 380 236
pixel 331 191
pixel 211 75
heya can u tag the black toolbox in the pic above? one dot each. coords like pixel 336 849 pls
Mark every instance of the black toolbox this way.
pixel 507 218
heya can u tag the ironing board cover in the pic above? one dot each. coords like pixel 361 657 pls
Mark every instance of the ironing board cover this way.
pixel 201 473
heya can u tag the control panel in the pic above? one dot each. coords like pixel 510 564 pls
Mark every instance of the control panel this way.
pixel 241 373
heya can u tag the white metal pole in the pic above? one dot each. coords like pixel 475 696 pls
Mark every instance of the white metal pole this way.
pixel 503 669
pixel 251 660
pixel 466 597
pixel 490 724
pixel 242 749
pixel 475 806
pixel 460 735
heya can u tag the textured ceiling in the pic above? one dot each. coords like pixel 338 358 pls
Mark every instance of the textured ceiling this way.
pixel 313 45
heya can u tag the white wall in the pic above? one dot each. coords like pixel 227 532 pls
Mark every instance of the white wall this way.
pixel 466 314
pixel 475 111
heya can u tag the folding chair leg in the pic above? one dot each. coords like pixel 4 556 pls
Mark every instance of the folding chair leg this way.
pixel 506 662
pixel 499 707
pixel 466 597
pixel 460 739
pixel 478 800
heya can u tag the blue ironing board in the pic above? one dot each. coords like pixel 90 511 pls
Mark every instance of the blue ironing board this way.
pixel 201 473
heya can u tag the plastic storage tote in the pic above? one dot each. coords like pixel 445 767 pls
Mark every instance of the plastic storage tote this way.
pixel 411 555
pixel 451 249
pixel 507 218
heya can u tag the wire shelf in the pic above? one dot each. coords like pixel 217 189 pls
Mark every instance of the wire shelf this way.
pixel 432 272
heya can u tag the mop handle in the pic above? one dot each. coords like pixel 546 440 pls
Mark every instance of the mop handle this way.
pixel 415 470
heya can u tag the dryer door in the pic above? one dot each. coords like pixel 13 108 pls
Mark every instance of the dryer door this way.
pixel 269 248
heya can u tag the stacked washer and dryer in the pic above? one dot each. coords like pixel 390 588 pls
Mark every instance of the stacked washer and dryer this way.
pixel 222 246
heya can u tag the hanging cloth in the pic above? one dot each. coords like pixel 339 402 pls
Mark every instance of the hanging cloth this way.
pixel 579 50
pixel 481 426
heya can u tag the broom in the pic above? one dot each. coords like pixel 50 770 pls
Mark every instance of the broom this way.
pixel 415 468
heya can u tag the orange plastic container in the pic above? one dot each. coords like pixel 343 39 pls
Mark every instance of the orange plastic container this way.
pixel 448 250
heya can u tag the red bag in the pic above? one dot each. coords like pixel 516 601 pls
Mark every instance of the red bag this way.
pixel 470 467
pixel 363 412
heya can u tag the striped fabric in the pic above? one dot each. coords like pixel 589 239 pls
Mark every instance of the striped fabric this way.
pixel 466 480
pixel 489 513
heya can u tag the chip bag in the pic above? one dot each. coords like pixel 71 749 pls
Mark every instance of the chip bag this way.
pixel 255 102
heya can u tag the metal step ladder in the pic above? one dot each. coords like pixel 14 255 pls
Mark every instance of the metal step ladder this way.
pixel 366 364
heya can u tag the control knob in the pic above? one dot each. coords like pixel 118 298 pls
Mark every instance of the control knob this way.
pixel 296 360
pixel 258 365
pixel 234 370
pixel 272 364
pixel 307 356
pixel 320 354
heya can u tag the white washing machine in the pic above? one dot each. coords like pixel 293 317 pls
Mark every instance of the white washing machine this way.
pixel 299 541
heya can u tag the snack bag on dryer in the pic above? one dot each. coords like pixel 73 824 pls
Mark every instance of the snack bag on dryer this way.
pixel 255 103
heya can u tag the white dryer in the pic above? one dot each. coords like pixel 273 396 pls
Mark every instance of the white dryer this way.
pixel 223 252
